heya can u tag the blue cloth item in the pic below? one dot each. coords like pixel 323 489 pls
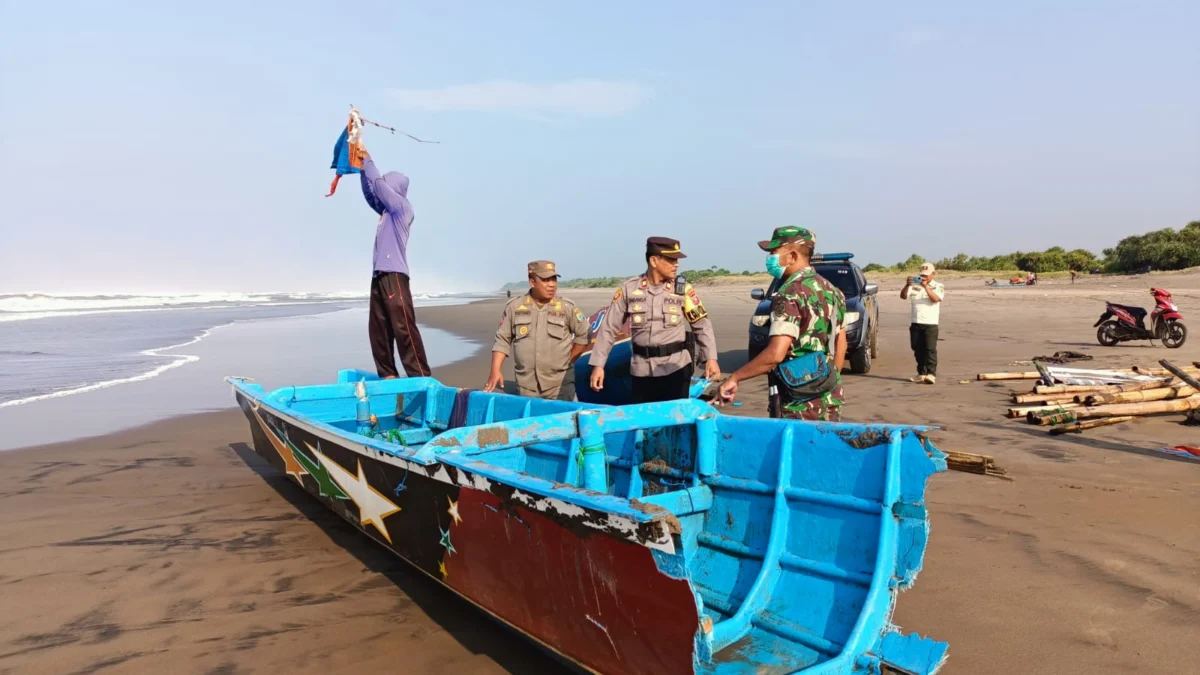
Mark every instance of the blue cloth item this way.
pixel 341 155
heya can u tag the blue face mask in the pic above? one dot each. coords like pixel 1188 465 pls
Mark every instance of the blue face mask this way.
pixel 773 266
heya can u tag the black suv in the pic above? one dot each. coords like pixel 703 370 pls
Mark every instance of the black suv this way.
pixel 862 311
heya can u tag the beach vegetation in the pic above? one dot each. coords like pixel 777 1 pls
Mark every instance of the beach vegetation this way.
pixel 1166 249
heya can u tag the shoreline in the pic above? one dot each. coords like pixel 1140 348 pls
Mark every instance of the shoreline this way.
pixel 192 382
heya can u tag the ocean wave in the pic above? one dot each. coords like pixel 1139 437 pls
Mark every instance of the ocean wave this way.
pixel 30 306
pixel 177 360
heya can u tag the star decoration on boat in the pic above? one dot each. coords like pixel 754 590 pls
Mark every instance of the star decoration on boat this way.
pixel 372 505
pixel 442 569
pixel 291 466
pixel 325 485
pixel 446 542
pixel 453 511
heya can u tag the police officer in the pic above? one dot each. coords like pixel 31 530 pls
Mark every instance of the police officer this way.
pixel 807 315
pixel 659 312
pixel 544 334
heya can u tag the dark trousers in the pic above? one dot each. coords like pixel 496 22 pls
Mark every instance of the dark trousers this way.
pixel 923 337
pixel 393 320
pixel 662 388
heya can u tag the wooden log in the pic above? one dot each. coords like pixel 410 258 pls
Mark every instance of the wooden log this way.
pixel 1022 411
pixel 1164 371
pixel 1160 394
pixel 1041 399
pixel 977 464
pixel 1071 388
pixel 1147 408
pixel 1181 373
pixel 1051 417
pixel 1031 375
pixel 1089 424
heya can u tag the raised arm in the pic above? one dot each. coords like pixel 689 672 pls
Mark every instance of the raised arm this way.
pixel 367 185
pixel 385 196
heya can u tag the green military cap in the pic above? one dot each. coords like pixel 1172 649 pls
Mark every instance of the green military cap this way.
pixel 665 247
pixel 544 269
pixel 789 234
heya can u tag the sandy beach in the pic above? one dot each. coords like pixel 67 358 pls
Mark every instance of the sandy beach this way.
pixel 173 548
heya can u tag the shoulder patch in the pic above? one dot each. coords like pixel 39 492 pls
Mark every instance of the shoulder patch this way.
pixel 693 309
pixel 617 295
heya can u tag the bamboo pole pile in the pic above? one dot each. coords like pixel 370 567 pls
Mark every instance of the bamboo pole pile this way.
pixel 1074 408
pixel 983 465
pixel 1036 375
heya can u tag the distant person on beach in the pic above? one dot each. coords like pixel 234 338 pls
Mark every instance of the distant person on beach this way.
pixel 807 321
pixel 544 334
pixel 393 320
pixel 659 307
pixel 926 295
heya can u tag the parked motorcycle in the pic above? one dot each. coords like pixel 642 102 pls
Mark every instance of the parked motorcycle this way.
pixel 1122 323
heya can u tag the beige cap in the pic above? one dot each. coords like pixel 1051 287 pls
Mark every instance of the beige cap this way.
pixel 544 269
pixel 927 268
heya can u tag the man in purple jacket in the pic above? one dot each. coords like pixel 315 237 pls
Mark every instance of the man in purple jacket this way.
pixel 392 314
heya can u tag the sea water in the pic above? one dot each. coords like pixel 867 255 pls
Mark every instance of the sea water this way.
pixel 74 366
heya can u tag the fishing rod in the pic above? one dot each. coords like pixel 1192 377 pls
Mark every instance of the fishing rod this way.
pixel 391 129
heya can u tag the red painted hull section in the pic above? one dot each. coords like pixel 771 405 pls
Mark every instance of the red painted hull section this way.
pixel 599 600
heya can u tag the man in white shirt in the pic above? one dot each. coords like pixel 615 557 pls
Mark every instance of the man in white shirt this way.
pixel 926 295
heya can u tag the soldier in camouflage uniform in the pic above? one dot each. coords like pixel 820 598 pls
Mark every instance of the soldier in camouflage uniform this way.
pixel 804 315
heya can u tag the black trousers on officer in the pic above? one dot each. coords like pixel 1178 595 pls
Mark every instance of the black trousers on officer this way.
pixel 923 339
pixel 664 387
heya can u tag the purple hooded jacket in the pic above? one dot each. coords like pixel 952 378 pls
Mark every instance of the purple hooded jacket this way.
pixel 388 196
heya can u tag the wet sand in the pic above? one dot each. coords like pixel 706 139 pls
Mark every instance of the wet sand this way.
pixel 173 548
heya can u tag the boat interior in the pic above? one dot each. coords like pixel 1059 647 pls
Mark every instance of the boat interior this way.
pixel 794 536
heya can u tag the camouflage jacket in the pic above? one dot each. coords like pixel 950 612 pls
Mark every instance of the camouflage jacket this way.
pixel 810 310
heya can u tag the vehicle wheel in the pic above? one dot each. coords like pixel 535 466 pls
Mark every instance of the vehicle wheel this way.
pixel 874 341
pixel 1106 334
pixel 1174 334
pixel 860 361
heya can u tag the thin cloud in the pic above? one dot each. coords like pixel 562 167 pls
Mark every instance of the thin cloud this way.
pixel 584 98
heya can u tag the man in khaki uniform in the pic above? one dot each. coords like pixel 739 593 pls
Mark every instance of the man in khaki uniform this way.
pixel 544 334
pixel 661 365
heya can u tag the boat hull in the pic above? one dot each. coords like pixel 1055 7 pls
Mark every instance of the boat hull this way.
pixel 539 566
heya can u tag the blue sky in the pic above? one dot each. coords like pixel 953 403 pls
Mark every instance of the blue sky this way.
pixel 186 148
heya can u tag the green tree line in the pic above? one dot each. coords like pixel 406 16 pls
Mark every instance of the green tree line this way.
pixel 692 276
pixel 1165 249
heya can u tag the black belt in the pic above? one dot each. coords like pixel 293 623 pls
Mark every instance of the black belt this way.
pixel 659 350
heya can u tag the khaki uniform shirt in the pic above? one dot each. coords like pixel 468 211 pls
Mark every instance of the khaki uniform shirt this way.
pixel 539 339
pixel 658 316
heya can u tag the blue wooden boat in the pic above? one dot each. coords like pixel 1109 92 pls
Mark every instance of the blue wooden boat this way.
pixel 658 538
